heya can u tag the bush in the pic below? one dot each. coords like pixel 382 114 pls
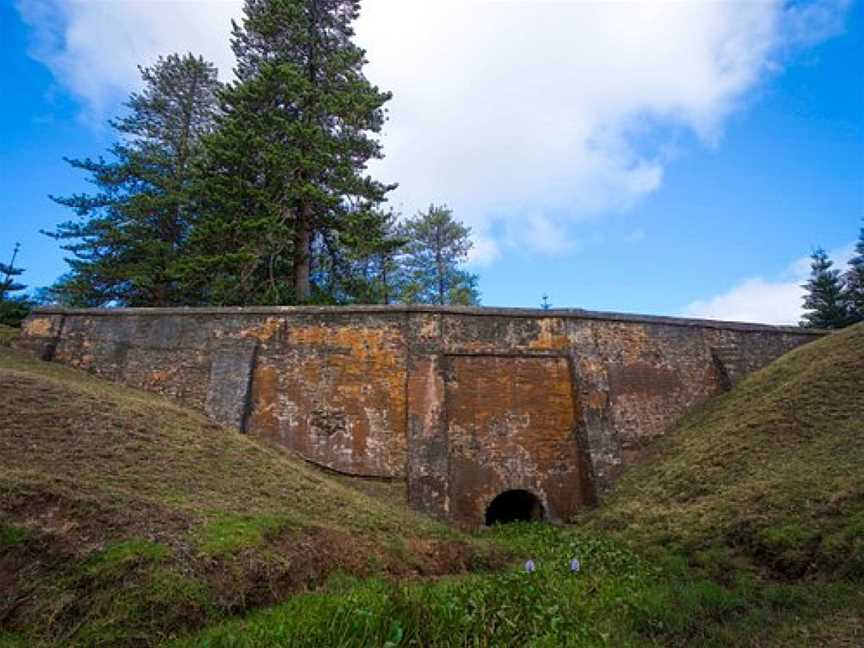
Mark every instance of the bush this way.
pixel 14 310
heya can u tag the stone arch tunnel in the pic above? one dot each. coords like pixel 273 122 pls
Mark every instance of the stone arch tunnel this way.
pixel 463 404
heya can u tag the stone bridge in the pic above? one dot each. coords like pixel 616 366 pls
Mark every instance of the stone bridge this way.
pixel 486 414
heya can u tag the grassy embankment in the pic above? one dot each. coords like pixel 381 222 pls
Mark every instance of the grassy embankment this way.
pixel 745 528
pixel 125 519
pixel 7 335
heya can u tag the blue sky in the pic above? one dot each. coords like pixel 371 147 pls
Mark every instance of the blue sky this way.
pixel 597 164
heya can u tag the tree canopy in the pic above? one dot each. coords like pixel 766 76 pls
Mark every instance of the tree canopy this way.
pixel 854 280
pixel 258 191
pixel 129 235
pixel 437 246
pixel 13 307
pixel 824 301
pixel 283 178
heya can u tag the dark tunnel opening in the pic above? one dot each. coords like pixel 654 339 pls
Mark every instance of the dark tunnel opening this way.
pixel 514 506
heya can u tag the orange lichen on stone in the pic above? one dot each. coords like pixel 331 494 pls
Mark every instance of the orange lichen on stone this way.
pixel 348 384
pixel 265 331
pixel 39 327
pixel 552 335
pixel 265 393
pixel 512 425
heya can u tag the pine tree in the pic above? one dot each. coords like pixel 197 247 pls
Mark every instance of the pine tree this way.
pixel 8 272
pixel 437 246
pixel 361 263
pixel 284 179
pixel 824 299
pixel 130 234
pixel 13 308
pixel 854 279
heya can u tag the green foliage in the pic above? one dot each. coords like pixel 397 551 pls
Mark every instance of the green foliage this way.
pixel 257 192
pixel 128 237
pixel 437 245
pixel 129 606
pixel 854 281
pixel 549 607
pixel 8 640
pixel 825 301
pixel 8 272
pixel 361 264
pixel 13 308
pixel 283 180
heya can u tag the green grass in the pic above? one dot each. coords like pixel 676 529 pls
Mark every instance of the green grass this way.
pixel 229 533
pixel 507 608
pixel 618 599
pixel 12 536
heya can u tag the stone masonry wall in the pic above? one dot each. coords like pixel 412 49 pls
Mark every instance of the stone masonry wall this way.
pixel 462 404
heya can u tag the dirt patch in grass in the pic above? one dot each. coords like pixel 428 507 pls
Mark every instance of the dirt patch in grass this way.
pixel 301 562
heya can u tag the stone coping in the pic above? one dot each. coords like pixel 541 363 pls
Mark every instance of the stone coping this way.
pixel 573 313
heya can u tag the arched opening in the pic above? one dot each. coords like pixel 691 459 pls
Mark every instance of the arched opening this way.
pixel 514 506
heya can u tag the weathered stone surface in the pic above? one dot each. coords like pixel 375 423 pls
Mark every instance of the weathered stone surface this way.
pixel 512 426
pixel 231 370
pixel 40 334
pixel 461 403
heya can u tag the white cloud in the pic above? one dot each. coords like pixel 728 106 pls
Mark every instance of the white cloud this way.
pixel 94 47
pixel 526 114
pixel 761 300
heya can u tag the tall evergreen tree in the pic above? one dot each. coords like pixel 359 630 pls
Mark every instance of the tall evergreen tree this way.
pixel 854 279
pixel 824 300
pixel 361 263
pixel 437 246
pixel 285 173
pixel 8 272
pixel 130 234
pixel 13 308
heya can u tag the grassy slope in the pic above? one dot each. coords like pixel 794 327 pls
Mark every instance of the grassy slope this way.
pixel 745 529
pixel 7 334
pixel 771 473
pixel 124 518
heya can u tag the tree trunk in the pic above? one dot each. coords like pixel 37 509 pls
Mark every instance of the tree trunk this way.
pixel 302 255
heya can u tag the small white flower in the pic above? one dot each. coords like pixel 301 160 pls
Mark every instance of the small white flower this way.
pixel 575 566
pixel 530 567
